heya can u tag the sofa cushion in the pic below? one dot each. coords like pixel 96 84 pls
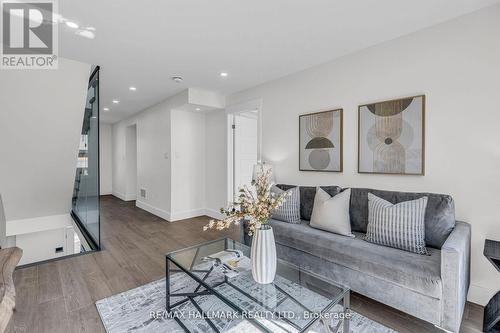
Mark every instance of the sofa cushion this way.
pixel 289 211
pixel 439 214
pixel 409 270
pixel 307 194
pixel 332 213
pixel 398 225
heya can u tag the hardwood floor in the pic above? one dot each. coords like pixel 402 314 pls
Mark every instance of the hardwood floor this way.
pixel 59 296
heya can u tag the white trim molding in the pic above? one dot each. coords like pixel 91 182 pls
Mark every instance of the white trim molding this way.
pixel 231 110
pixel 212 213
pixel 171 217
pixel 154 210
pixel 119 195
pixel 187 214
pixel 480 295
pixel 124 197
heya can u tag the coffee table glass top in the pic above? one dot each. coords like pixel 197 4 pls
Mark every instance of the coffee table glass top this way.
pixel 295 301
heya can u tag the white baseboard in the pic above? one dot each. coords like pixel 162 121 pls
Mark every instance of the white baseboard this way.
pixel 442 329
pixel 176 216
pixel 187 214
pixel 154 210
pixel 480 295
pixel 130 197
pixel 196 213
pixel 213 214
pixel 119 195
pixel 124 197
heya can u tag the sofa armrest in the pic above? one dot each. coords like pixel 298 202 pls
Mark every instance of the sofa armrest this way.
pixel 455 276
pixel 9 258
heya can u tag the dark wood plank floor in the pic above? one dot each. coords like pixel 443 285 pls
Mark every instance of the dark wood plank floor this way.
pixel 59 296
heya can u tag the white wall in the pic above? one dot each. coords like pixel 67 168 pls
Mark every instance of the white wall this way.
pixel 456 65
pixel 39 237
pixel 171 155
pixel 153 168
pixel 106 158
pixel 216 162
pixel 153 156
pixel 188 164
pixel 41 119
pixel 40 125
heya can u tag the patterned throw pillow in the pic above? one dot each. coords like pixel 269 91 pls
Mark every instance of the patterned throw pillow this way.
pixel 400 226
pixel 290 210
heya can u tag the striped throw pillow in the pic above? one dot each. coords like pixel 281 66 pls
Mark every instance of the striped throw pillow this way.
pixel 400 226
pixel 290 209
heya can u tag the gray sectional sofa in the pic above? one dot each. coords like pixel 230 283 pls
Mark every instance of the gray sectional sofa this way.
pixel 433 288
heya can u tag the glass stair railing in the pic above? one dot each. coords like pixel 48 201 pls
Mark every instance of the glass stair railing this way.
pixel 85 203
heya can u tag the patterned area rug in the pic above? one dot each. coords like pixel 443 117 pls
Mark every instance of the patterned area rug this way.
pixel 142 310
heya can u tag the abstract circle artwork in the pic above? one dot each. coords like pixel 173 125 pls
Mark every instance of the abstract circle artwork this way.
pixel 391 137
pixel 321 141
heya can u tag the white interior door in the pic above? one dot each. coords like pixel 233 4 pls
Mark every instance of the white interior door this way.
pixel 245 145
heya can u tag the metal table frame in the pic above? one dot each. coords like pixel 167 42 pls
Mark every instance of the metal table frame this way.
pixel 491 317
pixel 210 290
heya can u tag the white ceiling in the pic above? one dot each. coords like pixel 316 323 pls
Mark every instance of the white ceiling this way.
pixel 144 43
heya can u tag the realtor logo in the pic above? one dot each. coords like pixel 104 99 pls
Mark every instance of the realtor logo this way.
pixel 29 39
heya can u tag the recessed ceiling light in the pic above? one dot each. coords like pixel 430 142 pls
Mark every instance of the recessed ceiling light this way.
pixel 198 109
pixel 90 28
pixel 115 101
pixel 106 109
pixel 132 88
pixel 177 79
pixel 223 74
pixel 86 34
pixel 72 25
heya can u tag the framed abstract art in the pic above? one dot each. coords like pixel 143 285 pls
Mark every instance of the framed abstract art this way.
pixel 320 141
pixel 391 137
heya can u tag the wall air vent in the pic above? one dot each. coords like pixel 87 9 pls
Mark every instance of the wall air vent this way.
pixel 143 193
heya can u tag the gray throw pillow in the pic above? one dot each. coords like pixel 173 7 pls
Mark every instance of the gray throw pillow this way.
pixel 290 209
pixel 401 226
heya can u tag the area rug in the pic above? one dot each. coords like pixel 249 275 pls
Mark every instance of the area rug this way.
pixel 142 309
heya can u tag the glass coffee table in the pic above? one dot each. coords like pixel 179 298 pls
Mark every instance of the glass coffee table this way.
pixel 221 295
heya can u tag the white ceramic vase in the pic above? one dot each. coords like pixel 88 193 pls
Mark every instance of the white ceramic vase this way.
pixel 263 255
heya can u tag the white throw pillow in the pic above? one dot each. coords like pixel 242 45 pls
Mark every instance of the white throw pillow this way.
pixel 332 213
